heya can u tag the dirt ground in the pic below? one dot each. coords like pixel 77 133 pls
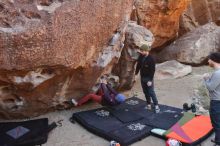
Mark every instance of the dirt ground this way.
pixel 172 92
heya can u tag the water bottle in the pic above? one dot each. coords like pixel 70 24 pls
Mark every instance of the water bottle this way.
pixel 114 143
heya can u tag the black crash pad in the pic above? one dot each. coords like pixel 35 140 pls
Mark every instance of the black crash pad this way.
pixel 165 119
pixel 126 115
pixel 104 124
pixel 128 122
pixel 99 119
pixel 130 133
pixel 131 103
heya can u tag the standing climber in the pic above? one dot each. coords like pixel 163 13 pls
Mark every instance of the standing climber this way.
pixel 213 85
pixel 146 66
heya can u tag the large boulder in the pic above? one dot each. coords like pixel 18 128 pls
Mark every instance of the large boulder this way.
pixel 193 47
pixel 171 70
pixel 199 12
pixel 187 22
pixel 161 17
pixel 135 36
pixel 54 50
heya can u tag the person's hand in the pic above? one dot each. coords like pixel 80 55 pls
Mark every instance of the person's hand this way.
pixel 101 80
pixel 138 51
pixel 104 81
pixel 149 83
pixel 206 76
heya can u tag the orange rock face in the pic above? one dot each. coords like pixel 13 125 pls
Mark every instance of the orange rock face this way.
pixel 199 13
pixel 205 11
pixel 54 50
pixel 161 17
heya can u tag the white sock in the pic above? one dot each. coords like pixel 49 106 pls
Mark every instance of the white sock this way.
pixel 74 102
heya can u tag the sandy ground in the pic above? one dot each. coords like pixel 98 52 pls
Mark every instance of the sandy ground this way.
pixel 172 92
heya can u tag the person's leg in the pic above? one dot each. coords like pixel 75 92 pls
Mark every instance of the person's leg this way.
pixel 152 94
pixel 145 90
pixel 94 97
pixel 211 114
pixel 215 119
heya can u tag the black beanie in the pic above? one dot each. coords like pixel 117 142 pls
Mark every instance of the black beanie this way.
pixel 215 57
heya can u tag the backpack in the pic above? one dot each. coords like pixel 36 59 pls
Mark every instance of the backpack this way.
pixel 26 133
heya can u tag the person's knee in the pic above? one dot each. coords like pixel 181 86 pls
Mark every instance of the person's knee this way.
pixel 152 94
pixel 94 96
pixel 91 94
pixel 146 93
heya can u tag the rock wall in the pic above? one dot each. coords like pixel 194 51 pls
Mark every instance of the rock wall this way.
pixel 161 17
pixel 135 36
pixel 197 35
pixel 205 11
pixel 200 12
pixel 193 47
pixel 54 50
pixel 171 70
